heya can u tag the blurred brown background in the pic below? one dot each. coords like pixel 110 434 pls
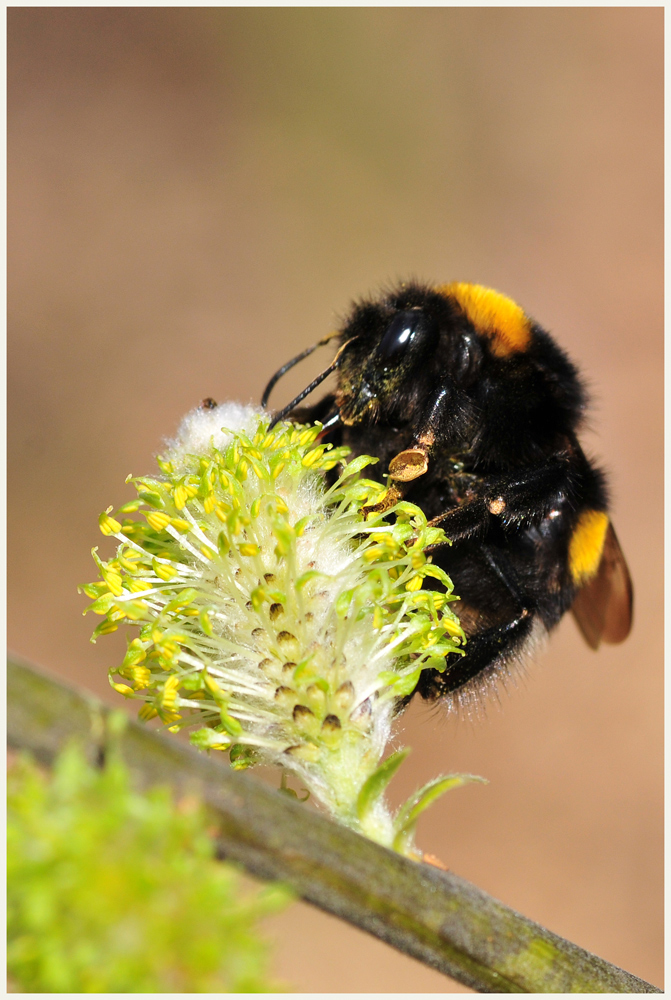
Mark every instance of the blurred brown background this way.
pixel 196 193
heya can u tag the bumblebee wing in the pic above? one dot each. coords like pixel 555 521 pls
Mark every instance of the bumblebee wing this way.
pixel 603 607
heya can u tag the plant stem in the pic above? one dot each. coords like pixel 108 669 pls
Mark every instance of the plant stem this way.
pixel 432 915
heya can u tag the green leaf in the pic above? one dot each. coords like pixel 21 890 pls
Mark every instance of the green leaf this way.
pixel 342 605
pixel 304 673
pixel 436 662
pixel 93 590
pixel 285 536
pixel 182 600
pixel 406 821
pixel 152 499
pixel 208 739
pixel 130 507
pixel 357 464
pixel 402 684
pixel 402 531
pixel 403 507
pixel 302 523
pixel 378 781
pixel 242 757
pixel 438 574
pixel 231 725
pixel 432 536
pixel 305 578
pixel 192 682
pixel 362 489
pixel 205 622
pixel 101 605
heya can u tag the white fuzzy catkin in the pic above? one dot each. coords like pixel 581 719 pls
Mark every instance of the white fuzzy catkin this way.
pixel 272 613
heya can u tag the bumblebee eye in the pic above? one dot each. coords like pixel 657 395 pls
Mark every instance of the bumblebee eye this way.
pixel 407 329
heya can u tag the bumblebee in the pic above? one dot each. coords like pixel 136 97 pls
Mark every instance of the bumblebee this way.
pixel 473 411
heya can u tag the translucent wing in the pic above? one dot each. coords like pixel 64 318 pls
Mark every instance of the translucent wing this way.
pixel 603 607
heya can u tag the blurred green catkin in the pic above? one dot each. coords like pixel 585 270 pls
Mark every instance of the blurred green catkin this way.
pixel 110 890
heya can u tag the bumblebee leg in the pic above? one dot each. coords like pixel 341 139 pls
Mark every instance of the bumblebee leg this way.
pixel 413 462
pixel 440 403
pixel 492 645
pixel 527 497
pixel 505 573
pixel 483 652
pixel 517 499
pixel 463 522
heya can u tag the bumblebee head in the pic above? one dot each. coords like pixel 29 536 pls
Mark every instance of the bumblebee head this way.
pixel 504 378
pixel 402 347
pixel 384 361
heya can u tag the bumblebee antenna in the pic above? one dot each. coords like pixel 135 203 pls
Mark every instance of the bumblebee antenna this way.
pixel 290 364
pixel 313 385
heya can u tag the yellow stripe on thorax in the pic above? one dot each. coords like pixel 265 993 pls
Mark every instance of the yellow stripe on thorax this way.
pixel 586 545
pixel 496 316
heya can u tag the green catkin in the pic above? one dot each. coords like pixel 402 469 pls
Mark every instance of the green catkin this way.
pixel 271 617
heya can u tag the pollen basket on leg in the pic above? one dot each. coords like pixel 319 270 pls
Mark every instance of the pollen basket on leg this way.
pixel 501 320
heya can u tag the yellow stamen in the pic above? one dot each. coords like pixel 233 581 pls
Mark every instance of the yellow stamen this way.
pixel 170 687
pixel 108 525
pixel 248 549
pixel 157 520
pixel 180 525
pixel 163 570
pixel 123 689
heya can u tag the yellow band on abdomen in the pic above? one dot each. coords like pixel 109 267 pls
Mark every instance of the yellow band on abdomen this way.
pixel 586 545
